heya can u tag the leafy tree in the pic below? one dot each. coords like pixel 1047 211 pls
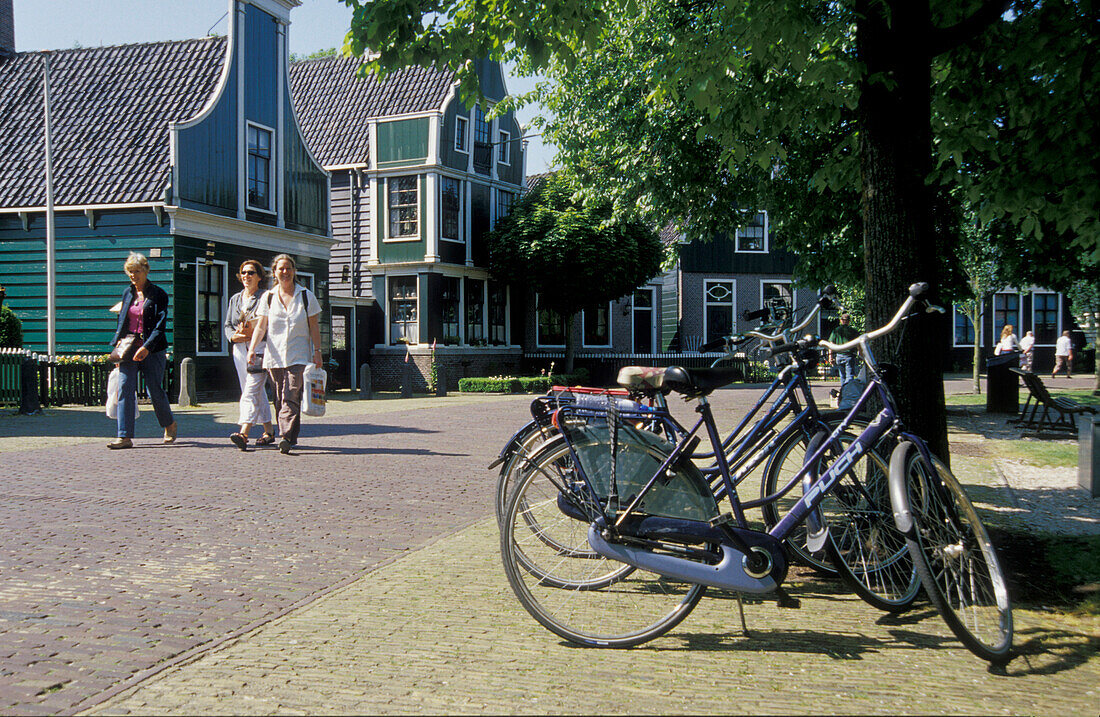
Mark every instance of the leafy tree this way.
pixel 574 255
pixel 884 101
pixel 1084 297
pixel 11 328
pixel 979 262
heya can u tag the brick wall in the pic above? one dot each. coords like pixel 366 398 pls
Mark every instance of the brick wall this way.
pixel 7 27
pixel 387 365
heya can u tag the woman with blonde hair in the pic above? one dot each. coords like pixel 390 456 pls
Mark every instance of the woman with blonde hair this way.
pixel 1008 342
pixel 144 315
pixel 240 320
pixel 288 318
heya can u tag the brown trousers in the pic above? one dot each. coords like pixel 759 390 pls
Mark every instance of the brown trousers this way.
pixel 288 399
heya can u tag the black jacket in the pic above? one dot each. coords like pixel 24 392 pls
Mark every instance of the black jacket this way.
pixel 154 317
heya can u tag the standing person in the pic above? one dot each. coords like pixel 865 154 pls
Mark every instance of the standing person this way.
pixel 1063 355
pixel 240 319
pixel 845 360
pixel 1027 343
pixel 1008 342
pixel 288 318
pixel 144 314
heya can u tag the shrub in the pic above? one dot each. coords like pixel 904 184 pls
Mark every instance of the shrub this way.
pixel 11 329
pixel 518 384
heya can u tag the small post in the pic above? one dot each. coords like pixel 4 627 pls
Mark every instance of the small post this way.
pixel 1088 455
pixel 28 384
pixel 440 379
pixel 187 383
pixel 407 379
pixel 365 391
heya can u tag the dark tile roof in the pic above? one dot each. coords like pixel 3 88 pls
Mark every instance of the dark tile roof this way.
pixel 110 110
pixel 333 105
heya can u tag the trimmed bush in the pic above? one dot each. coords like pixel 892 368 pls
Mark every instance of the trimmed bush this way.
pixel 518 384
pixel 11 329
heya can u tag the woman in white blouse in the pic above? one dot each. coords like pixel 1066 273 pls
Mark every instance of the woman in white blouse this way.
pixel 240 320
pixel 288 319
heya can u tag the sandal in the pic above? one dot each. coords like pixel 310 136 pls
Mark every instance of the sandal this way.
pixel 239 440
pixel 266 439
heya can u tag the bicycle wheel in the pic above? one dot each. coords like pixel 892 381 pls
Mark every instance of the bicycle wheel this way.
pixel 533 435
pixel 581 596
pixel 954 557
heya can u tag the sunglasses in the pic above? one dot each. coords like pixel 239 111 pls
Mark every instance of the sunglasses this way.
pixel 248 272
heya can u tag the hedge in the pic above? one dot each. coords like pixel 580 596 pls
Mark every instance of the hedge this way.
pixel 520 384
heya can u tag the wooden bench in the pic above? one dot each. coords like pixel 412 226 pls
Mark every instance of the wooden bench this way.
pixel 1047 412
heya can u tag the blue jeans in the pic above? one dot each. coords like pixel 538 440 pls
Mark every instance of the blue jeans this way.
pixel 846 366
pixel 152 368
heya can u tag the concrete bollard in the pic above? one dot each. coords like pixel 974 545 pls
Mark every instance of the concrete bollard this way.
pixel 1088 455
pixel 365 390
pixel 187 383
pixel 440 380
pixel 28 387
pixel 407 379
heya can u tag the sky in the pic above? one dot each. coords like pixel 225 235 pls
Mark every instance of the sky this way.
pixel 316 25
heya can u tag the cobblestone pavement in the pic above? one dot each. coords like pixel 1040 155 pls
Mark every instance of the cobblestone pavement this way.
pixel 440 631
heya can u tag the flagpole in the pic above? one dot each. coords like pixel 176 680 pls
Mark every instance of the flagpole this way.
pixel 51 238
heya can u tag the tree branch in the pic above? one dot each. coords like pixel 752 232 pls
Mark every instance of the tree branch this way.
pixel 943 39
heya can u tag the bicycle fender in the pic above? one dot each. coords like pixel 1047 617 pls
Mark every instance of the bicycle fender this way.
pixel 903 518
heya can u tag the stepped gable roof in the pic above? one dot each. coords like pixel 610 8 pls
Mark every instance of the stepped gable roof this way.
pixel 333 105
pixel 110 108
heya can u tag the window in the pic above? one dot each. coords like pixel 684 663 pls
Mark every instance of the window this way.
pixel 461 129
pixel 259 168
pixel 504 203
pixel 451 309
pixel 403 313
pixel 551 327
pixel 450 221
pixel 504 143
pixel 475 312
pixel 210 292
pixel 777 296
pixel 483 149
pixel 643 321
pixel 498 314
pixel 718 309
pixel 596 325
pixel 404 206
pixel 1044 316
pixel 964 329
pixel 753 237
pixel 1006 310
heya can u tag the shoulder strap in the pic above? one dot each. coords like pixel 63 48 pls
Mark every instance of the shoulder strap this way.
pixel 269 300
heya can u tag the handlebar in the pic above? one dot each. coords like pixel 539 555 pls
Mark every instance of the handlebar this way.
pixel 824 300
pixel 915 292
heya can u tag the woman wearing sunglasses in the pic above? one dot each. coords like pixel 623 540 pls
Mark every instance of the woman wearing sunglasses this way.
pixel 240 320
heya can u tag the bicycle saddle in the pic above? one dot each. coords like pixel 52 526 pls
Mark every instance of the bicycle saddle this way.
pixel 692 382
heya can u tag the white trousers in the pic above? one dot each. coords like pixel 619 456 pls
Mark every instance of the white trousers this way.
pixel 254 408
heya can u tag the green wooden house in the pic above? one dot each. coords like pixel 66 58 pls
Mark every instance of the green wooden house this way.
pixel 188 152
pixel 418 180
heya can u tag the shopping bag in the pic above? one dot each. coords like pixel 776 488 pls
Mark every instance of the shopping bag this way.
pixel 113 382
pixel 313 403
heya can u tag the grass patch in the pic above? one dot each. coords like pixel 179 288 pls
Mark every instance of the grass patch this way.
pixel 1062 454
pixel 1055 571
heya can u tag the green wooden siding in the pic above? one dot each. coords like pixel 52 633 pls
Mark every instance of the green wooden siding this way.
pixel 90 278
pixel 305 203
pixel 448 155
pixel 718 255
pixel 207 158
pixel 402 140
pixel 479 220
pixel 261 52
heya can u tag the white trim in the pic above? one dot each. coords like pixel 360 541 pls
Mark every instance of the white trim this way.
pixel 83 207
pixel 223 80
pixel 279 9
pixel 272 175
pixel 387 339
pixel 461 210
pixel 242 130
pixel 505 155
pixel 312 280
pixel 732 303
pixel 435 130
pixel 464 148
pixel 280 119
pixel 787 282
pixel 610 330
pixel 373 183
pixel 386 213
pixel 213 227
pixel 767 242
pixel 224 297
pixel 430 226
pixel 996 338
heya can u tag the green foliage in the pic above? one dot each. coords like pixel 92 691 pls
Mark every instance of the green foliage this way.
pixel 517 384
pixel 11 329
pixel 572 254
pixel 330 52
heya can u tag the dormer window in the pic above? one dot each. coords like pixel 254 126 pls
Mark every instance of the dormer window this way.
pixel 461 131
pixel 753 237
pixel 259 168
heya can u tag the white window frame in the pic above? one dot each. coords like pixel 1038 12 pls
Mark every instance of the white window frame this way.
pixel 390 339
pixel 652 309
pixel 979 330
pixel 271 173
pixel 610 330
pixel 388 226
pixel 443 179
pixel 538 333
pixel 787 282
pixel 312 281
pixel 505 153
pixel 1019 314
pixel 1058 303
pixel 732 303
pixel 507 315
pixel 766 239
pixel 466 340
pixel 462 134
pixel 222 343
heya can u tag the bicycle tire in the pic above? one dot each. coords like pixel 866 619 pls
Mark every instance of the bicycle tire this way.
pixel 636 607
pixel 531 437
pixel 954 557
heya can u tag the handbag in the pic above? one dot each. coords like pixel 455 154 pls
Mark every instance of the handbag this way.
pixel 125 349
pixel 256 365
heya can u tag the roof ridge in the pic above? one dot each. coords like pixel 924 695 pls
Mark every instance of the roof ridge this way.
pixel 151 43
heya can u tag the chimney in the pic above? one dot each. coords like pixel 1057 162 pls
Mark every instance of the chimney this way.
pixel 7 28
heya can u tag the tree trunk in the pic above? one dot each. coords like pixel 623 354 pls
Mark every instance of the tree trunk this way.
pixel 570 344
pixel 977 356
pixel 899 245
